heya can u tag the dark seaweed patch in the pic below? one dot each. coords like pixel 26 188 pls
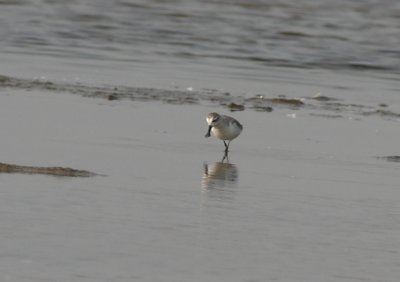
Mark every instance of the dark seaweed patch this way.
pixel 382 113
pixel 285 101
pixel 54 171
pixel 233 107
pixel 260 108
pixel 322 98
pixel 394 159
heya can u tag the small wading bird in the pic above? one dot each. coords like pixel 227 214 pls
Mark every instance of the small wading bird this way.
pixel 223 127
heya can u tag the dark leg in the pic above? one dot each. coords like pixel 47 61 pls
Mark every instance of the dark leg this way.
pixel 226 147
pixel 226 157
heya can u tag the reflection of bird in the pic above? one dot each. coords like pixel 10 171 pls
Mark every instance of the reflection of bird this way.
pixel 223 127
pixel 219 175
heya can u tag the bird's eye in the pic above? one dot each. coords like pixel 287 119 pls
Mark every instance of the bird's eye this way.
pixel 216 119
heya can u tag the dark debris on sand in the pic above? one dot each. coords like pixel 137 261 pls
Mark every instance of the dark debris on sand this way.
pixel 259 102
pixel 53 171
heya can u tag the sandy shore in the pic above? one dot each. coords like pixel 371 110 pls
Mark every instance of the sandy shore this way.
pixel 303 198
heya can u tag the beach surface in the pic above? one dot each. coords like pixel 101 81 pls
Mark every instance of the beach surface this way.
pixel 302 197
pixel 105 174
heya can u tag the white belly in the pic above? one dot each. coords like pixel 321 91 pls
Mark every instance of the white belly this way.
pixel 226 133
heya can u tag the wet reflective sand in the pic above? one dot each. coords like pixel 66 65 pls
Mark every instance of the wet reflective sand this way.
pixel 300 198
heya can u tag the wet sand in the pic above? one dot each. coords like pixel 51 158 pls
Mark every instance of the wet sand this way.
pixel 303 197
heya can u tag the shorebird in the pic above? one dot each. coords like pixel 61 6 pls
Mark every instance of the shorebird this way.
pixel 223 127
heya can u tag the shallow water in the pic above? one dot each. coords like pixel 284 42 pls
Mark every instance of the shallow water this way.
pixel 319 34
pixel 197 43
pixel 301 199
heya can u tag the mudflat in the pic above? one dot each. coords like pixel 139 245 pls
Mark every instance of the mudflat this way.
pixel 304 195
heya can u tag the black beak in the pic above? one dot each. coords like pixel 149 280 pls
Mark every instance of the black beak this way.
pixel 208 132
